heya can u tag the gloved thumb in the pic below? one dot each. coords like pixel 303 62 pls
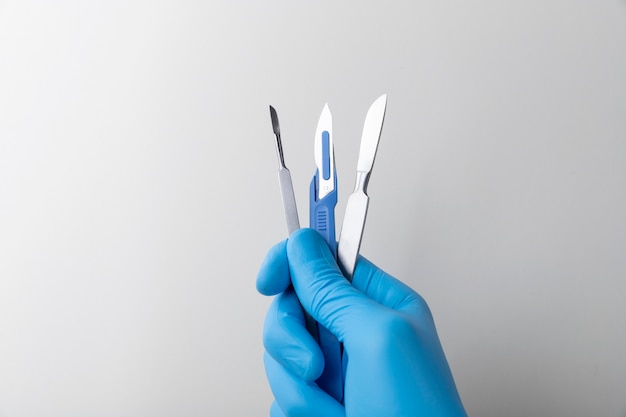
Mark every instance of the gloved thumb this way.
pixel 322 289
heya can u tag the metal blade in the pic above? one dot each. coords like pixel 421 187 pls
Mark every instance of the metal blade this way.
pixel 351 232
pixel 371 134
pixel 279 144
pixel 324 153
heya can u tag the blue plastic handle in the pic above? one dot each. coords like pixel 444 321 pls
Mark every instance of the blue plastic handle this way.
pixel 322 214
pixel 322 219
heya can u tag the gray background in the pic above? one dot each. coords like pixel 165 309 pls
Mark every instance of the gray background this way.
pixel 138 192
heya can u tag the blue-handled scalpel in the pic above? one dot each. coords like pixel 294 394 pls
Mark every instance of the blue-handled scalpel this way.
pixel 323 191
pixel 323 199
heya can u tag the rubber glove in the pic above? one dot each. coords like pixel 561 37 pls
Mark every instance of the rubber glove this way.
pixel 395 365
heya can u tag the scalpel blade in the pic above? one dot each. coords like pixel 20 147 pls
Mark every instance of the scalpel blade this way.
pixel 356 208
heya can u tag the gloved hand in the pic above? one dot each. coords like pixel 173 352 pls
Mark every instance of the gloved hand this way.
pixel 395 363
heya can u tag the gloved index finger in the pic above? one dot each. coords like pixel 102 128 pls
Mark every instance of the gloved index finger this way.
pixel 273 276
pixel 322 289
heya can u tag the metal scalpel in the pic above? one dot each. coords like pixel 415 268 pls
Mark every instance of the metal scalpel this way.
pixel 284 179
pixel 356 208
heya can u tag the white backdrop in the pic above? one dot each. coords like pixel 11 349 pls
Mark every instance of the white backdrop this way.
pixel 138 192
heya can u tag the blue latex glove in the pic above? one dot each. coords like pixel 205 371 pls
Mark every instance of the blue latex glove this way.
pixel 395 363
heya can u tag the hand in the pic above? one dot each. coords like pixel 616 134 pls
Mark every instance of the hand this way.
pixel 395 362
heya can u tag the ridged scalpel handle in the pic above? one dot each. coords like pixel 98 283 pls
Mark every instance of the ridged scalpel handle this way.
pixel 322 219
pixel 322 215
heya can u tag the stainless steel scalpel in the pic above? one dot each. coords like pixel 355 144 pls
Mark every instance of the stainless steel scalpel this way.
pixel 284 179
pixel 356 208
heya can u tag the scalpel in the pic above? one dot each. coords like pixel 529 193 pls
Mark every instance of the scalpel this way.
pixel 356 208
pixel 323 199
pixel 284 180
